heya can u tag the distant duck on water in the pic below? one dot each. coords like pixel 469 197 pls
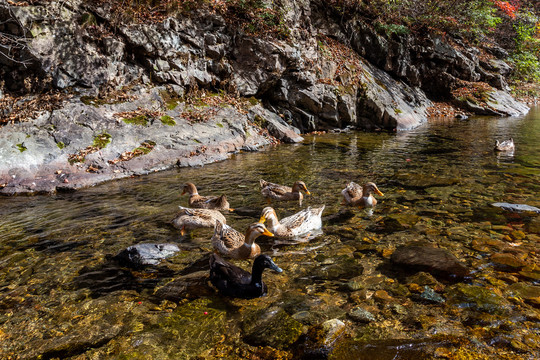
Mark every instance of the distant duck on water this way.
pixel 230 280
pixel 361 196
pixel 506 145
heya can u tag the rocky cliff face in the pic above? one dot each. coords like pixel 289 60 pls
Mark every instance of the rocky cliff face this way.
pixel 193 87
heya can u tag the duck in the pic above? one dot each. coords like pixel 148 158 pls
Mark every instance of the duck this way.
pixel 234 244
pixel 205 202
pixel 278 192
pixel 506 145
pixel 295 225
pixel 230 280
pixel 190 219
pixel 362 197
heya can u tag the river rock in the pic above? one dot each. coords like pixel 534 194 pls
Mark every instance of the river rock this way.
pixel 529 293
pixel 321 339
pixel 146 254
pixel 436 261
pixel 272 327
pixel 477 298
pixel 507 261
pixel 339 267
pixel 361 315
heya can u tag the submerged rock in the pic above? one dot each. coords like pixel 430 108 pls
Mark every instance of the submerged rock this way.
pixel 272 327
pixel 146 254
pixel 477 298
pixel 321 339
pixel 436 261
pixel 529 293
pixel 361 315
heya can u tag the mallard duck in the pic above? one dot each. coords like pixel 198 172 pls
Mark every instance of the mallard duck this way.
pixel 356 195
pixel 205 202
pixel 233 281
pixel 190 219
pixel 298 224
pixel 278 192
pixel 234 244
pixel 506 145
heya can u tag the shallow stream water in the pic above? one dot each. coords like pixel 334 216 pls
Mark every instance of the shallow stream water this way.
pixel 63 295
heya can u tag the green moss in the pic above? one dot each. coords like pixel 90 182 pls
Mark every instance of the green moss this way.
pixel 197 141
pixel 145 147
pixel 260 121
pixel 60 145
pixel 102 140
pixel 219 125
pixel 253 101
pixel 140 120
pixel 170 99
pixel 167 120
pixel 21 147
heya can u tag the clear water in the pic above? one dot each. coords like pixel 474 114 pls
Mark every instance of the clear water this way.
pixel 61 294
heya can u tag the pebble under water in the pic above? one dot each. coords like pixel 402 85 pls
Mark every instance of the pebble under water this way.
pixel 345 294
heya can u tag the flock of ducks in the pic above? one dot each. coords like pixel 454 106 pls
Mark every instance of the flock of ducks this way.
pixel 205 212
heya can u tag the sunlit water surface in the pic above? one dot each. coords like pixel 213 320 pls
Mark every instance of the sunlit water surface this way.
pixel 62 295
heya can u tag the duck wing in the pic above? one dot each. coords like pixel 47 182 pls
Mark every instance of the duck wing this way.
pixel 352 191
pixel 268 187
pixel 231 238
pixel 224 274
pixel 304 221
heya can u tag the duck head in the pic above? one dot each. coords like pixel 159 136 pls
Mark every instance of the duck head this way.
pixel 300 186
pixel 265 262
pixel 268 213
pixel 190 189
pixel 255 230
pixel 371 188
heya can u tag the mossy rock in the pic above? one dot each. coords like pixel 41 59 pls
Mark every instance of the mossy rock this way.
pixel 477 298
pixel 271 327
pixel 140 120
pixel 167 120
pixel 102 140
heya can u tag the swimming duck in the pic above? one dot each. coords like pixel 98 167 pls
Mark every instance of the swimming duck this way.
pixel 233 281
pixel 298 224
pixel 205 202
pixel 233 243
pixel 278 192
pixel 506 145
pixel 189 219
pixel 356 195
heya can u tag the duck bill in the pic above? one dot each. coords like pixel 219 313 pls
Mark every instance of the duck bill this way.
pixel 307 192
pixel 267 233
pixel 276 268
pixel 262 219
pixel 378 192
pixel 183 192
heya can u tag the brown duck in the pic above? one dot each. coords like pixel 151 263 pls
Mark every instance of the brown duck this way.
pixel 356 195
pixel 205 202
pixel 233 243
pixel 278 192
